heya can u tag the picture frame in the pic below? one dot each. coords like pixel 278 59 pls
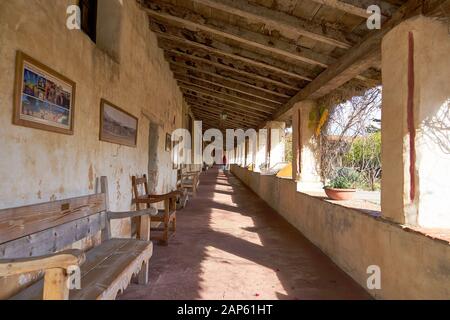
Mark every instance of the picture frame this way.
pixel 43 98
pixel 168 145
pixel 117 125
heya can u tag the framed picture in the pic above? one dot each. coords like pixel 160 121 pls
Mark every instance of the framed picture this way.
pixel 117 125
pixel 168 142
pixel 43 98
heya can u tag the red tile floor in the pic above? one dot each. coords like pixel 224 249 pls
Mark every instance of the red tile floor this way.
pixel 232 245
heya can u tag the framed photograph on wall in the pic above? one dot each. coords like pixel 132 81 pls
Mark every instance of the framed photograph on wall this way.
pixel 117 125
pixel 43 98
pixel 168 146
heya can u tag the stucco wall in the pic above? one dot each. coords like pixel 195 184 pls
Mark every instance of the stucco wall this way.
pixel 38 166
pixel 413 266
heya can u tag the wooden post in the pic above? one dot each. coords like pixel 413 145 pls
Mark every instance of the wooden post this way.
pixel 106 234
pixel 55 285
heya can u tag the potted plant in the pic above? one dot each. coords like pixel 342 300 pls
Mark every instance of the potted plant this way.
pixel 342 186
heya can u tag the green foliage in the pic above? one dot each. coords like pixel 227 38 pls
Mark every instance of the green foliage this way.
pixel 345 178
pixel 365 156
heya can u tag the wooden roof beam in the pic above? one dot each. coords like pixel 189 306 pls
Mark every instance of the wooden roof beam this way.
pixel 226 98
pixel 231 69
pixel 206 82
pixel 277 20
pixel 359 58
pixel 239 113
pixel 225 50
pixel 208 103
pixel 249 38
pixel 208 97
pixel 174 66
pixel 359 7
pixel 253 101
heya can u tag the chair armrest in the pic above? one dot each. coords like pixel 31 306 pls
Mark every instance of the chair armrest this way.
pixel 161 197
pixel 190 174
pixel 60 260
pixel 132 214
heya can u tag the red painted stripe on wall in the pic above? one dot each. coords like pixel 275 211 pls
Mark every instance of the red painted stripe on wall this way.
pixel 410 118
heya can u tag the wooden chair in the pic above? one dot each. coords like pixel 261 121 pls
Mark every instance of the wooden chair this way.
pixel 190 180
pixel 167 216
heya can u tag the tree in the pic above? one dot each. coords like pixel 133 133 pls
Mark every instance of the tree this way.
pixel 365 156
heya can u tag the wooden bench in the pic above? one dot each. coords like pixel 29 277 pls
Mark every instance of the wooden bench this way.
pixel 32 240
pixel 166 216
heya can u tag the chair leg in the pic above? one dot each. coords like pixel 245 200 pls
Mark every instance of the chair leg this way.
pixel 166 234
pixel 143 274
pixel 174 224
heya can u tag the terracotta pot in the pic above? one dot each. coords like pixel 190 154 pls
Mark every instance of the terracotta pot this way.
pixel 340 194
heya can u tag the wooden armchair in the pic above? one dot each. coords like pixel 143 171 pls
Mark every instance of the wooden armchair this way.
pixel 190 180
pixel 167 216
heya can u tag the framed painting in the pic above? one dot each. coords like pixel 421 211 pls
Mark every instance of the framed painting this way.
pixel 117 125
pixel 168 146
pixel 43 98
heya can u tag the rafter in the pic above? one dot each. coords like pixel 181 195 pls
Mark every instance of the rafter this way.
pixel 265 104
pixel 359 7
pixel 226 98
pixel 277 20
pixel 358 59
pixel 175 65
pixel 256 40
pixel 241 113
pixel 217 105
pixel 225 50
pixel 208 97
pixel 205 82
pixel 216 115
pixel 190 57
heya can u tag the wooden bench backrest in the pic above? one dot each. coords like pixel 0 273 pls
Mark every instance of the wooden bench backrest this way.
pixel 50 227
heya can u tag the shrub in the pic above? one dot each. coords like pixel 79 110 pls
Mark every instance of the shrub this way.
pixel 345 178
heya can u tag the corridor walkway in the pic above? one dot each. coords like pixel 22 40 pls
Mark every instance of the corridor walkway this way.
pixel 231 245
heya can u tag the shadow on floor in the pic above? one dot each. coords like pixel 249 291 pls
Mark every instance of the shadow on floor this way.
pixel 232 245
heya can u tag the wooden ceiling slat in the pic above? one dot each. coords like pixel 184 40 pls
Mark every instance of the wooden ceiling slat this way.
pixel 196 80
pixel 227 51
pixel 231 69
pixel 239 82
pixel 209 106
pixel 358 59
pixel 189 85
pixel 277 20
pixel 217 105
pixel 248 38
pixel 227 98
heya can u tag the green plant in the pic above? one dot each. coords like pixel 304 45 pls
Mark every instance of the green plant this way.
pixel 345 178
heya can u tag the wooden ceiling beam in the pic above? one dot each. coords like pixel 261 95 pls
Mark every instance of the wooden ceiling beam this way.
pixel 217 105
pixel 225 50
pixel 189 57
pixel 216 116
pixel 210 98
pixel 201 80
pixel 175 66
pixel 216 122
pixel 245 37
pixel 251 100
pixel 358 59
pixel 239 113
pixel 359 7
pixel 226 98
pixel 287 24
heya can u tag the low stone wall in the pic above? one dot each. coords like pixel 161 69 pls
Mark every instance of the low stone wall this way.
pixel 412 265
